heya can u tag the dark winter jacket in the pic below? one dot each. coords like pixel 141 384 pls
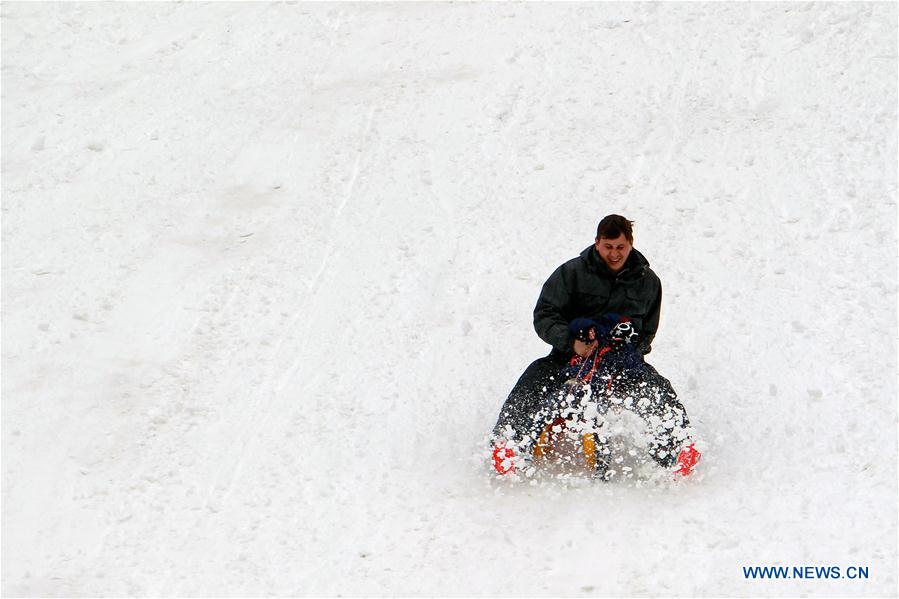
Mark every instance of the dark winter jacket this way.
pixel 586 287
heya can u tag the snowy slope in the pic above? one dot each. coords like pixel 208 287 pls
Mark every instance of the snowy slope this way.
pixel 268 273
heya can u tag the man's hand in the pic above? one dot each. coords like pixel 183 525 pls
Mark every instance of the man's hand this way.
pixel 584 349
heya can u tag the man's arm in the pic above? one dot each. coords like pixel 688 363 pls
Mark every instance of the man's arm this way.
pixel 650 324
pixel 549 320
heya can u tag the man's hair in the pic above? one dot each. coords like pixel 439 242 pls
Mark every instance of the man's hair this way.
pixel 613 225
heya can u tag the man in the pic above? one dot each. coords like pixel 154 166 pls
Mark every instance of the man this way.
pixel 610 282
pixel 608 277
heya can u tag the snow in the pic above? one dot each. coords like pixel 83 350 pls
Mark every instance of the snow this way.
pixel 268 273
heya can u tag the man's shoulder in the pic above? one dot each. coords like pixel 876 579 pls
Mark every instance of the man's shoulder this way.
pixel 576 263
pixel 650 274
pixel 573 269
pixel 643 270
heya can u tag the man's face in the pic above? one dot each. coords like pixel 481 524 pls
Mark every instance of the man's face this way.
pixel 613 252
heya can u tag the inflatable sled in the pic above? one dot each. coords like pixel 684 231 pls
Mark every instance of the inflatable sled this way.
pixel 593 413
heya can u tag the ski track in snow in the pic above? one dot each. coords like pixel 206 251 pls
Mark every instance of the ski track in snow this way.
pixel 268 273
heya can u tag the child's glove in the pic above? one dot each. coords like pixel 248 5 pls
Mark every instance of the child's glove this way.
pixel 583 329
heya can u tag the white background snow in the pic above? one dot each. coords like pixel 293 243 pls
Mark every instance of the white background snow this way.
pixel 268 273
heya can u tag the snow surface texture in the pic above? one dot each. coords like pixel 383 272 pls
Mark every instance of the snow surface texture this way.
pixel 268 273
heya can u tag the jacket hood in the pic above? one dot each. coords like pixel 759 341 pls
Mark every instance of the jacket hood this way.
pixel 635 266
